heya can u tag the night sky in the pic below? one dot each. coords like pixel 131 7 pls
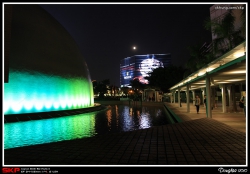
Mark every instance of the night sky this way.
pixel 106 33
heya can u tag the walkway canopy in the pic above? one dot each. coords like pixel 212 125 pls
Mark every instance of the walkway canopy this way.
pixel 230 68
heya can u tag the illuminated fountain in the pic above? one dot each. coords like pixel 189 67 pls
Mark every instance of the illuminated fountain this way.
pixel 45 69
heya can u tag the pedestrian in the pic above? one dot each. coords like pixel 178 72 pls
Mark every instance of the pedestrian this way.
pixel 204 101
pixel 243 100
pixel 197 103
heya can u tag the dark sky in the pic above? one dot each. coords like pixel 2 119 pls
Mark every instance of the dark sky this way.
pixel 106 33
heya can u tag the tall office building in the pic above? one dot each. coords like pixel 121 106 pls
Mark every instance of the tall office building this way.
pixel 138 66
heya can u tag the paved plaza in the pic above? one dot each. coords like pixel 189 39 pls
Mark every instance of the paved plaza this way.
pixel 196 140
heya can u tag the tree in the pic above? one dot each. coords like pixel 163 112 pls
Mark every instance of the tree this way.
pixel 243 21
pixel 114 90
pixel 224 30
pixel 200 55
pixel 166 77
pixel 125 90
pixel 101 87
pixel 136 84
pixel 137 87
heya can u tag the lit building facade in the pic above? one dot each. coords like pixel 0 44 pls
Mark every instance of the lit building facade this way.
pixel 138 66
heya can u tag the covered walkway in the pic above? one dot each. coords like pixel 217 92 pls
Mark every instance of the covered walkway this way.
pixel 223 73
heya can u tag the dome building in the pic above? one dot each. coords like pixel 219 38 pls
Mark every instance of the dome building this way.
pixel 44 69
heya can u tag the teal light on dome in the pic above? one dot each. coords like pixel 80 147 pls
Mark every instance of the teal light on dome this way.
pixel 35 92
pixel 45 68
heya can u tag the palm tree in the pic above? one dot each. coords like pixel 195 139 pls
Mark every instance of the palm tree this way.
pixel 227 36
pixel 224 30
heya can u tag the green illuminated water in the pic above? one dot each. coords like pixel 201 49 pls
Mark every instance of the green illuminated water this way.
pixel 116 118
pixel 48 130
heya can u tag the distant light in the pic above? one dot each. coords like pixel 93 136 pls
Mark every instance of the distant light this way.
pixel 134 48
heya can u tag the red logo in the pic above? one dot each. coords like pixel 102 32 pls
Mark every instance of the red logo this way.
pixel 10 170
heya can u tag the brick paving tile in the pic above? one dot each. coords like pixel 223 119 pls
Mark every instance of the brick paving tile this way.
pixel 196 141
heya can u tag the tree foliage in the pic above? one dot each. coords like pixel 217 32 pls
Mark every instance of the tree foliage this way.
pixel 199 57
pixel 136 84
pixel 226 36
pixel 125 90
pixel 166 77
pixel 101 87
pixel 243 21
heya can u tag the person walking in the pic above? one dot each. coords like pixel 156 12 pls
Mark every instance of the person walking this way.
pixel 180 102
pixel 243 100
pixel 204 101
pixel 197 103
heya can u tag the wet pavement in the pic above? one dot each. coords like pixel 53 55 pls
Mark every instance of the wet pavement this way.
pixel 197 140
